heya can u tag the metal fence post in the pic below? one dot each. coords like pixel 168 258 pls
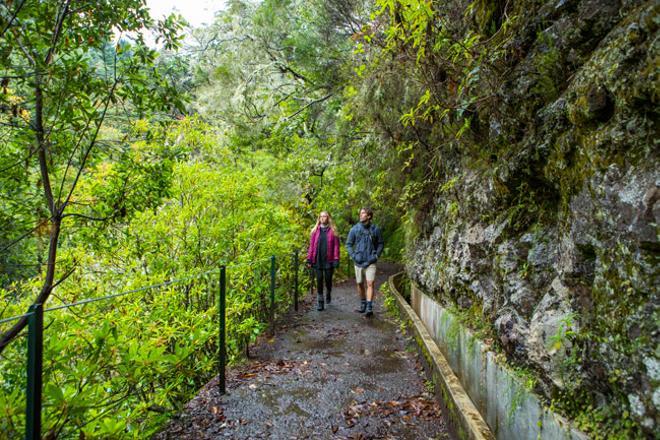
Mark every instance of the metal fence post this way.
pixel 272 291
pixel 295 280
pixel 34 372
pixel 222 342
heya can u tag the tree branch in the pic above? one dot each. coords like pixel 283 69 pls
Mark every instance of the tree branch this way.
pixel 65 276
pixel 11 20
pixel 92 142
pixel 56 32
pixel 86 217
pixel 316 101
pixel 39 225
pixel 18 162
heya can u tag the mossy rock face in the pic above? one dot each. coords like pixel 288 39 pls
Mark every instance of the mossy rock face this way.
pixel 596 105
pixel 549 228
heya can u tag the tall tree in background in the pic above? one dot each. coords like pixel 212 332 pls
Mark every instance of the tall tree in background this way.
pixel 273 75
pixel 66 67
pixel 273 61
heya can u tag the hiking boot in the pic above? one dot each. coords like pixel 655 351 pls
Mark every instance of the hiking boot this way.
pixel 363 307
pixel 327 298
pixel 369 310
pixel 320 304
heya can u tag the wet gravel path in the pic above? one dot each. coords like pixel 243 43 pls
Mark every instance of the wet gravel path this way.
pixel 325 375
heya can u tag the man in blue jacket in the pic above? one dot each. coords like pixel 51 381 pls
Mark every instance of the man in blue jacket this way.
pixel 364 245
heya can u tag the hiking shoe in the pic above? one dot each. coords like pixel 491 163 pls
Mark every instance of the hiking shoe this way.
pixel 320 307
pixel 327 298
pixel 369 311
pixel 363 307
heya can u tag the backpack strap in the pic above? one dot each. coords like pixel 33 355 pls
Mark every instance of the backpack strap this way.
pixel 373 243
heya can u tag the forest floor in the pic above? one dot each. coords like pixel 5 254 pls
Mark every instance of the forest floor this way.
pixel 333 374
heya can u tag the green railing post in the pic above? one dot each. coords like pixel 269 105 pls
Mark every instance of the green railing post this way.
pixel 272 292
pixel 295 281
pixel 34 372
pixel 222 342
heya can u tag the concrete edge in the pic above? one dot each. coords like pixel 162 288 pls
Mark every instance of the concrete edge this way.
pixel 469 424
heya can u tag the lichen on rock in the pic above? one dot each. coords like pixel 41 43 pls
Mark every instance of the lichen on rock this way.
pixel 556 232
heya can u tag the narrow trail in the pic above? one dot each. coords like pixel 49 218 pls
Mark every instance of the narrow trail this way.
pixel 325 375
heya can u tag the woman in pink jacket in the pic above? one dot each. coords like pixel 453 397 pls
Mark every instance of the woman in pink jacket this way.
pixel 323 255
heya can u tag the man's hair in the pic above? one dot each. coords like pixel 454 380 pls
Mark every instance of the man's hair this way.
pixel 369 212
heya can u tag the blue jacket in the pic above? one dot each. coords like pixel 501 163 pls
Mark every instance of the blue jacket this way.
pixel 364 244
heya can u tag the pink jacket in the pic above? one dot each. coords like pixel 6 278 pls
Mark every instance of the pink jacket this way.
pixel 333 246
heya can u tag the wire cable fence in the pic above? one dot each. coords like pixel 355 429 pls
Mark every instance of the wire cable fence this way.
pixel 119 365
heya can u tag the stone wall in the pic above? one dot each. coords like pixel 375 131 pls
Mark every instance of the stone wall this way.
pixel 552 241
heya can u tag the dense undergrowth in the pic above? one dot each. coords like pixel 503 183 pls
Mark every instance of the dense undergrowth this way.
pixel 119 367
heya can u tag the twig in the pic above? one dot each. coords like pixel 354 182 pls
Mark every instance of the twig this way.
pixel 316 101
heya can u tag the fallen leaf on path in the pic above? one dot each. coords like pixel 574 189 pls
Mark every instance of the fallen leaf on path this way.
pixel 246 375
pixel 405 410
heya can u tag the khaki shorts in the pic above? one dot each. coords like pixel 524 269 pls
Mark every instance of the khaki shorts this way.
pixel 368 272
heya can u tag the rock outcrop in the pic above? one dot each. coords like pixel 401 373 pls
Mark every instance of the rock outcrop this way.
pixel 554 238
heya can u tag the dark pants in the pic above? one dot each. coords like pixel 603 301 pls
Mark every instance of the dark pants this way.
pixel 321 276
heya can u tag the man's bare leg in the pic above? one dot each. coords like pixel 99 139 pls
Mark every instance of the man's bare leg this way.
pixel 362 292
pixel 370 290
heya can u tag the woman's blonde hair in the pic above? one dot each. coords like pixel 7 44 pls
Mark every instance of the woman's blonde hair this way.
pixel 331 222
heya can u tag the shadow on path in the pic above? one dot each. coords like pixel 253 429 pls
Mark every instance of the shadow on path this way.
pixel 325 375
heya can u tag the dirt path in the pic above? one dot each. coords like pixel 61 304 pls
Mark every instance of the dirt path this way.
pixel 325 375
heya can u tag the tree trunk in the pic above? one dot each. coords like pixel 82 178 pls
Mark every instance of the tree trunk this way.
pixel 55 216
